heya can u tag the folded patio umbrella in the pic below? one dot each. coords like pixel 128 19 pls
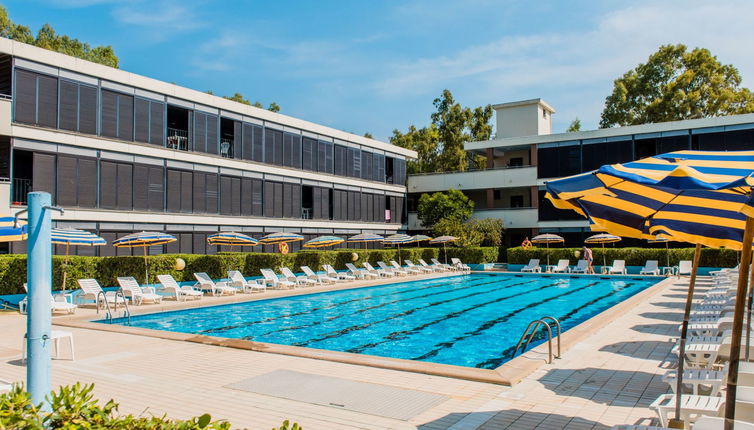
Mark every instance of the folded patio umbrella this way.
pixel 701 197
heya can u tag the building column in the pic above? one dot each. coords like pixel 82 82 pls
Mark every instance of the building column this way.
pixel 490 158
pixel 533 155
pixel 534 196
pixel 490 198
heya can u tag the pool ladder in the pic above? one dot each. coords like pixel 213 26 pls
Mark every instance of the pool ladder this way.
pixel 532 329
pixel 108 312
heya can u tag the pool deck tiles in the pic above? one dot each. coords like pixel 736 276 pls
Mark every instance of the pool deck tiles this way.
pixel 609 376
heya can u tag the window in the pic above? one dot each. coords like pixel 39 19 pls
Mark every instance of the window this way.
pixel 354 163
pixel 230 195
pixel 78 107
pixel 366 165
pixel 180 191
pixel 149 120
pixel 379 168
pixel 149 188
pixel 339 160
pixel 206 131
pixel 324 157
pixel 292 150
pixel 516 162
pixel 558 161
pixel 116 185
pixel 273 147
pixel 76 181
pixel 516 201
pixel 496 195
pixel 117 115
pixel 36 99
pixel 399 171
pixel 308 154
pixel 256 198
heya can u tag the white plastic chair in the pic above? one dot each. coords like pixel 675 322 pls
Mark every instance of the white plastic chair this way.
pixel 562 267
pixel 207 284
pixel 619 266
pixel 331 272
pixel 238 281
pixel 133 290
pixel 321 278
pixel 651 267
pixel 533 266
pixel 181 293
pixel 297 279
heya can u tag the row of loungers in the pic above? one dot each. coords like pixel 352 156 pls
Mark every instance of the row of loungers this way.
pixel 651 267
pixel 170 288
pixel 706 358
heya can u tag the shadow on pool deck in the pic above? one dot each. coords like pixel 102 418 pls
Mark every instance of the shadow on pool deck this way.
pixel 510 419
pixel 606 386
pixel 664 316
pixel 669 329
pixel 647 349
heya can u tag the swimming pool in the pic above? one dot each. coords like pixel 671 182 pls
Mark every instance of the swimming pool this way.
pixel 470 320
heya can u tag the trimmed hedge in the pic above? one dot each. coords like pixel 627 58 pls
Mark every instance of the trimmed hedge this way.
pixel 107 269
pixel 710 257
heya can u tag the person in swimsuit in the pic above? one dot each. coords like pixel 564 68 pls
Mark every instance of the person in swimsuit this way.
pixel 587 255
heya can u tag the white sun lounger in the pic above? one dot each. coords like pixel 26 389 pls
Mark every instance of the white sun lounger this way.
pixel 57 304
pixel 436 262
pixel 321 278
pixel 533 266
pixel 331 272
pixel 703 381
pixel 718 423
pixel 274 281
pixel 410 264
pixel 169 285
pixel 692 407
pixel 458 263
pixel 651 267
pixel 562 267
pixel 131 289
pixel 619 266
pixel 90 290
pixel 581 267
pixel 207 284
pixel 397 266
pixel 380 272
pixel 238 281
pixel 684 267
pixel 360 273
pixel 393 270
pixel 433 267
pixel 297 279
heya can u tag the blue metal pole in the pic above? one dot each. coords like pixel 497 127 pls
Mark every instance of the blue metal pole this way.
pixel 39 269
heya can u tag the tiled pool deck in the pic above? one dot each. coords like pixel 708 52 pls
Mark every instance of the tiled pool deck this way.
pixel 609 377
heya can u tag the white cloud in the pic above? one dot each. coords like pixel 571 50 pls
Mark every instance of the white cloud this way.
pixel 160 16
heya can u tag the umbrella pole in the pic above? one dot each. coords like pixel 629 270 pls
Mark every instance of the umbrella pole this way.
pixel 65 266
pixel 146 268
pixel 604 257
pixel 738 322
pixel 445 251
pixel 667 253
pixel 748 312
pixel 399 255
pixel 674 423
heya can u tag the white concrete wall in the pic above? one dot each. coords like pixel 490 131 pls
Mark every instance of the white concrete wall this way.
pixel 495 178
pixel 544 122
pixel 502 160
pixel 512 218
pixel 517 121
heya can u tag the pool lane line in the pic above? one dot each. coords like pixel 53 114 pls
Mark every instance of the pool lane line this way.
pixel 339 333
pixel 377 306
pixel 329 306
pixel 491 323
pixel 396 335
pixel 507 353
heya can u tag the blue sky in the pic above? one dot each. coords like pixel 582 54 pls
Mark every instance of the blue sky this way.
pixel 377 65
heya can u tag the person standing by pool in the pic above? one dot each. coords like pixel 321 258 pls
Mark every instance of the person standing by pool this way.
pixel 587 255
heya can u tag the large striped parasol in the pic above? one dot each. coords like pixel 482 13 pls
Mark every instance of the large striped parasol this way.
pixel 231 238
pixel 280 237
pixel 444 240
pixel 547 239
pixel 144 239
pixel 701 197
pixel 665 241
pixel 12 231
pixel 365 238
pixel 419 238
pixel 322 241
pixel 398 239
pixel 75 237
pixel 602 239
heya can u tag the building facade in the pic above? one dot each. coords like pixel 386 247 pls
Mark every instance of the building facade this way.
pixel 123 153
pixel 512 187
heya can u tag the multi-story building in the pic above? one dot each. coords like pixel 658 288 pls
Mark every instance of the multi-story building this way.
pixel 524 155
pixel 123 153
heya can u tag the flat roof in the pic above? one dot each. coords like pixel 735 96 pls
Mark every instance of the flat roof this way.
pixel 84 67
pixel 629 130
pixel 538 101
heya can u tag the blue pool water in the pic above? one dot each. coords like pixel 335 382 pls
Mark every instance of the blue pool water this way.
pixel 470 320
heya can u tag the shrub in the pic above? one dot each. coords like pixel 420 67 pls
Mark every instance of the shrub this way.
pixel 710 257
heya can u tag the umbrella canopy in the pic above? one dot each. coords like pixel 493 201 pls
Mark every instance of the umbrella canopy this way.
pixel 365 237
pixel 72 236
pixel 658 239
pixel 547 239
pixel 602 239
pixel 420 238
pixel 281 237
pixel 443 239
pixel 231 238
pixel 398 239
pixel 322 241
pixel 144 239
pixel 10 230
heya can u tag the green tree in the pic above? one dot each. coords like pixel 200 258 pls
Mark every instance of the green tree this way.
pixel 676 84
pixel 465 236
pixel 574 126
pixel 452 204
pixel 274 107
pixel 238 97
pixel 368 135
pixel 425 142
pixel 491 230
pixel 451 121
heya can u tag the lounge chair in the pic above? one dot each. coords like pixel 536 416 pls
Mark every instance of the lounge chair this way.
pixel 691 407
pixel 433 267
pixel 410 264
pixel 360 273
pixel 380 272
pixel 699 379
pixel 397 266
pixel 331 272
pixel 271 279
pixel 169 285
pixel 650 268
pixel 562 267
pixel 318 277
pixel 297 279
pixel 131 289
pixel 56 304
pixel 238 281
pixel 217 289
pixel 437 263
pixel 707 422
pixel 463 267
pixel 91 289
pixel 581 267
pixel 393 270
pixel 533 266
pixel 619 266
pixel 684 267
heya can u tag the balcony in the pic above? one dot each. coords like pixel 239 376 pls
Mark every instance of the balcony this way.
pixel 20 189
pixel 524 176
pixel 512 217
pixel 226 148
pixel 178 139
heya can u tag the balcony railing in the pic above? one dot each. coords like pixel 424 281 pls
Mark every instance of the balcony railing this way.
pixel 226 148
pixel 20 190
pixel 473 170
pixel 178 139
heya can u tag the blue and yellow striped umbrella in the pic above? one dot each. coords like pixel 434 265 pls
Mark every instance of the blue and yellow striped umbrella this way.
pixel 281 237
pixel 231 238
pixel 322 241
pixel 398 239
pixel 687 196
pixel 10 231
pixel 144 239
pixel 443 239
pixel 366 237
pixel 74 236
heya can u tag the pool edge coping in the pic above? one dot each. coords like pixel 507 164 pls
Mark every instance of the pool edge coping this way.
pixel 508 374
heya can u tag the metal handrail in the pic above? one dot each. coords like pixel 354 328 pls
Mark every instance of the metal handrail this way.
pixel 109 313
pixel 532 329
